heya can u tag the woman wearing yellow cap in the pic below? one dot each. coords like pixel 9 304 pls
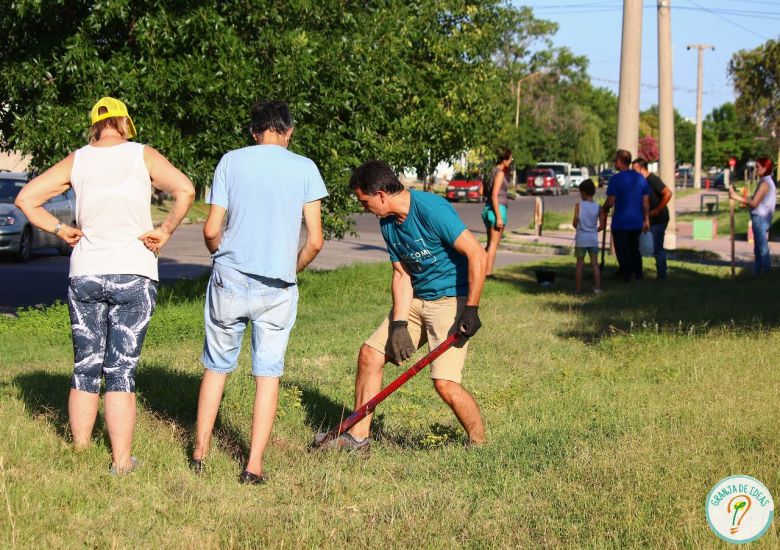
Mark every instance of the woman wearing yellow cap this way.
pixel 113 268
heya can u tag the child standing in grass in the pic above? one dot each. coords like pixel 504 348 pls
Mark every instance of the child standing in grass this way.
pixel 589 219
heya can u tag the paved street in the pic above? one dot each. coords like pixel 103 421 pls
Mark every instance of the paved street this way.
pixel 44 279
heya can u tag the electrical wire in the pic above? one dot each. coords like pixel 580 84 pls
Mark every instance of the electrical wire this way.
pixel 727 20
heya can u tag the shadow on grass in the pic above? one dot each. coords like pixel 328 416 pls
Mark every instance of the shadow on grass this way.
pixel 172 396
pixel 45 396
pixel 437 435
pixel 323 414
pixel 690 301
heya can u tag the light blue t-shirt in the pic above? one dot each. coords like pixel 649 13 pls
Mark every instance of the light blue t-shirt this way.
pixel 263 188
pixel 628 188
pixel 424 243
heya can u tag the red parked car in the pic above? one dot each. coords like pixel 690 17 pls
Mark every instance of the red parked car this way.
pixel 464 188
pixel 542 180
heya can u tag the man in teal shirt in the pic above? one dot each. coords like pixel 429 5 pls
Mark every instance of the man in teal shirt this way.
pixel 438 274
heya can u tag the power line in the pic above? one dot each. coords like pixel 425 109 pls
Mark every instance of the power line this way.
pixel 727 20
pixel 573 9
pixel 739 13
pixel 647 86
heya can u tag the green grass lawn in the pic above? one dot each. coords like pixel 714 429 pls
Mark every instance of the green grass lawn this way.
pixel 553 220
pixel 685 192
pixel 609 418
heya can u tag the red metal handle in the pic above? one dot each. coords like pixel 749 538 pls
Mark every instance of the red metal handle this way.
pixel 372 403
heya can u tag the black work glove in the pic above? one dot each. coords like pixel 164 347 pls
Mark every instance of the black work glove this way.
pixel 401 342
pixel 469 322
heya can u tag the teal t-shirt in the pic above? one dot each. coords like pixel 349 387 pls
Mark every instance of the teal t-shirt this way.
pixel 424 244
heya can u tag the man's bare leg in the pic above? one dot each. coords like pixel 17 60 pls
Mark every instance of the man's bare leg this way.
pixel 465 408
pixel 367 384
pixel 266 402
pixel 209 398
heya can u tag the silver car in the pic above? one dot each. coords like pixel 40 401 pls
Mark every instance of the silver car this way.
pixel 17 235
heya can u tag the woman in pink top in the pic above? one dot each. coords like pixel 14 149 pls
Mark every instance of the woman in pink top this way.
pixel 113 277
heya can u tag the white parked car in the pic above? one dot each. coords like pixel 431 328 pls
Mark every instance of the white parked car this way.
pixel 577 176
pixel 17 235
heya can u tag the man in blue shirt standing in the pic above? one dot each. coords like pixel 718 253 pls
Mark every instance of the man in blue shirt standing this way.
pixel 628 192
pixel 263 190
pixel 438 274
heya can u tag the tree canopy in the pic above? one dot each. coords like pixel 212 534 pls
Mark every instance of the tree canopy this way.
pixel 756 76
pixel 725 135
pixel 390 79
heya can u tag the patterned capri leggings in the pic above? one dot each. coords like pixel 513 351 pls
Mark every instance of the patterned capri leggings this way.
pixel 109 315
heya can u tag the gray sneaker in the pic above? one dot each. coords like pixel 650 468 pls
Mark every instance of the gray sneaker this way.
pixel 134 465
pixel 348 443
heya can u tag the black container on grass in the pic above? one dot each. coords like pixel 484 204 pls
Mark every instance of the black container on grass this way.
pixel 545 277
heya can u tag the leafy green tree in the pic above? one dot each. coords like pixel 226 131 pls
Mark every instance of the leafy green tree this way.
pixel 725 135
pixel 684 132
pixel 684 139
pixel 380 78
pixel 589 150
pixel 756 76
pixel 549 81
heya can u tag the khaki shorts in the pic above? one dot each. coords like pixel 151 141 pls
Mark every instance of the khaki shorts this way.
pixel 439 318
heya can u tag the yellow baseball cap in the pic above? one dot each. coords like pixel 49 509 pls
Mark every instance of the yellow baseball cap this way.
pixel 113 107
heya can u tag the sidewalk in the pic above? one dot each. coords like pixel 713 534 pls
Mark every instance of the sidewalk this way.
pixel 716 250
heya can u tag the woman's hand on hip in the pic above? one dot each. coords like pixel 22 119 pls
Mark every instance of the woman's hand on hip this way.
pixel 155 239
pixel 71 235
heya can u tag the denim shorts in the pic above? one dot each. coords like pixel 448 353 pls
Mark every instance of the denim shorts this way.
pixel 109 315
pixel 234 298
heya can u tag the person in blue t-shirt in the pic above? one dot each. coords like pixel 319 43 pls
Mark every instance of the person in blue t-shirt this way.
pixel 628 192
pixel 438 274
pixel 264 190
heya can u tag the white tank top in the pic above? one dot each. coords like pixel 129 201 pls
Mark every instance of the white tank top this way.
pixel 587 225
pixel 766 207
pixel 113 208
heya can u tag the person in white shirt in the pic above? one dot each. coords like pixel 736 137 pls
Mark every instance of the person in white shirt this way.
pixel 589 219
pixel 762 208
pixel 113 276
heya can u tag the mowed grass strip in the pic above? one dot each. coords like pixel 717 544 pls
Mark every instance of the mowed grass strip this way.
pixel 610 417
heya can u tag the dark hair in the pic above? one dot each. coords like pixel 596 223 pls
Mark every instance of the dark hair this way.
pixel 624 157
pixel 765 163
pixel 504 153
pixel 270 115
pixel 641 162
pixel 373 176
pixel 588 187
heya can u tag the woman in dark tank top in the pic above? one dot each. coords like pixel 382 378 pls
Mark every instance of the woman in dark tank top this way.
pixel 494 215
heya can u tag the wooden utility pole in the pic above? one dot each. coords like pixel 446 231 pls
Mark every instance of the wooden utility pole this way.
pixel 697 159
pixel 630 75
pixel 666 150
